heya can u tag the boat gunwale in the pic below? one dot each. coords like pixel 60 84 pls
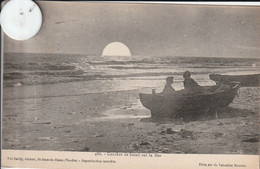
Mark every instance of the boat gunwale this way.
pixel 237 86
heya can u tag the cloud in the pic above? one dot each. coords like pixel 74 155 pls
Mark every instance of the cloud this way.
pixel 147 29
pixel 247 47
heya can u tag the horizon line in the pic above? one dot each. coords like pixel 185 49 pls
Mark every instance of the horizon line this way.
pixel 81 54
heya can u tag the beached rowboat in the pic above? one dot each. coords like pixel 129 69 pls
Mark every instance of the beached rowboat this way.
pixel 180 104
pixel 244 80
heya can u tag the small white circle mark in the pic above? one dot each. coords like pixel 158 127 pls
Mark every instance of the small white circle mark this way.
pixel 21 19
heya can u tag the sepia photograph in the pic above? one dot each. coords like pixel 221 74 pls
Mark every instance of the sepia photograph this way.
pixel 136 78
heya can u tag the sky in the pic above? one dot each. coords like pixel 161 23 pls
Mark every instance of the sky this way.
pixel 147 29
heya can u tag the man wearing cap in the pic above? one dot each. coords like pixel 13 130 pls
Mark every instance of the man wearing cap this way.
pixel 168 89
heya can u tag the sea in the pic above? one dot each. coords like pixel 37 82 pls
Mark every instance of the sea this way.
pixel 100 74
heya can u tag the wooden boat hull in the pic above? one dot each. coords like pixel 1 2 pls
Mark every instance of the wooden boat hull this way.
pixel 162 106
pixel 244 80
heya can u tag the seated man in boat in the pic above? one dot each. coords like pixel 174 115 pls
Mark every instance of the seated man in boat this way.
pixel 168 89
pixel 190 85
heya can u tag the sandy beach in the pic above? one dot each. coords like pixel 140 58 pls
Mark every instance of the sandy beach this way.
pixel 117 122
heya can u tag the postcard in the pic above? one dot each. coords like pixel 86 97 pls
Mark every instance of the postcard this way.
pixel 128 85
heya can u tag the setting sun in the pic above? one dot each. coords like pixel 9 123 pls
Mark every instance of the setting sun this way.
pixel 116 49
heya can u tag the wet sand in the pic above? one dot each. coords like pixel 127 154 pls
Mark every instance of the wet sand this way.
pixel 117 122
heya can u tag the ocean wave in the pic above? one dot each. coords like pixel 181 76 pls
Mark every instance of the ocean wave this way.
pixel 134 67
pixel 29 69
pixel 213 61
pixel 38 66
pixel 34 78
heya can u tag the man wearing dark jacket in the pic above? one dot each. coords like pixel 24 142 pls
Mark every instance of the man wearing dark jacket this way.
pixel 189 84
